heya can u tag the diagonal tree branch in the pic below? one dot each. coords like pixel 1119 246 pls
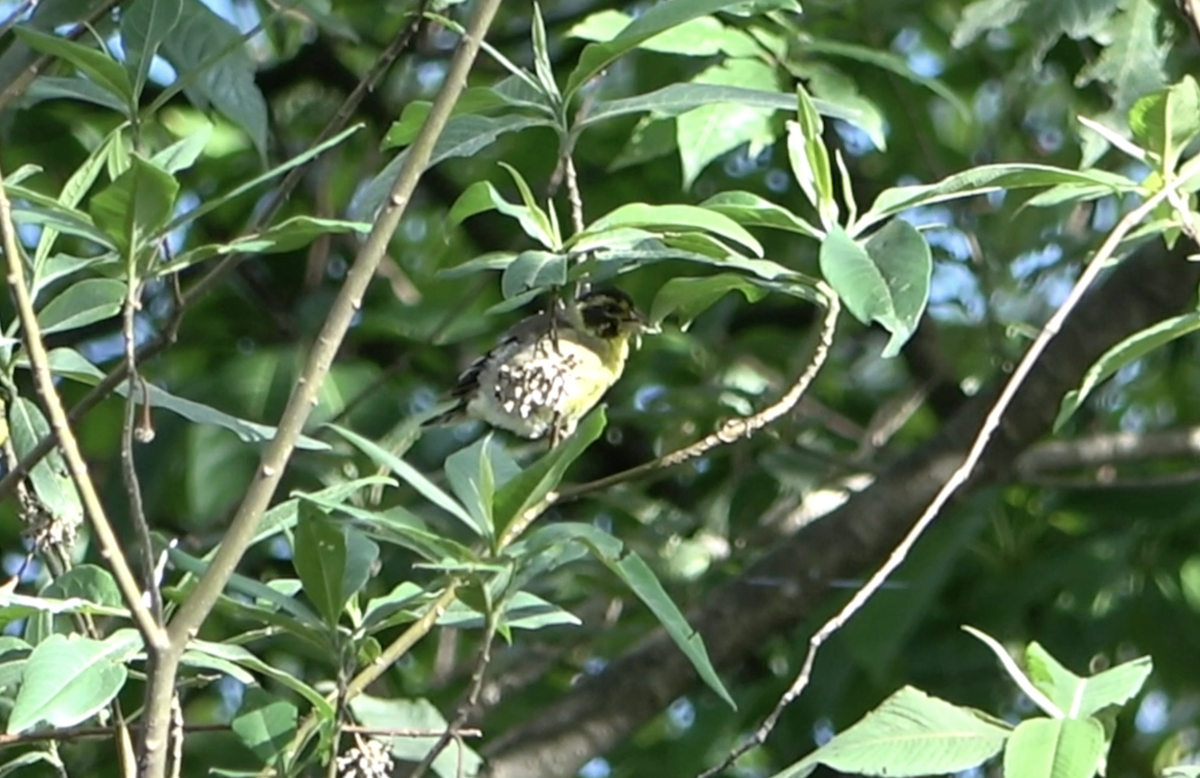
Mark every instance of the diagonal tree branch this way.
pixel 736 617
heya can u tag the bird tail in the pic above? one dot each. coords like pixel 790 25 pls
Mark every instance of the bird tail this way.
pixel 455 414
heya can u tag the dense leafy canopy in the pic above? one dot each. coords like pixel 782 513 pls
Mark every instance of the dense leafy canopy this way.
pixel 853 222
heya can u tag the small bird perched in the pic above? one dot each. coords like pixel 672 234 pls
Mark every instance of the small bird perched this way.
pixel 548 371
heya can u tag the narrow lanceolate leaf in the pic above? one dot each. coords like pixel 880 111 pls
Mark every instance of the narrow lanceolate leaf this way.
pixel 1132 348
pixel 531 485
pixel 664 16
pixel 886 281
pixel 984 179
pixel 751 210
pixel 475 473
pixel 66 681
pixel 96 65
pixel 144 26
pixel 533 271
pixel 81 304
pixel 409 474
pixel 1055 748
pixel 677 217
pixel 642 581
pixel 910 734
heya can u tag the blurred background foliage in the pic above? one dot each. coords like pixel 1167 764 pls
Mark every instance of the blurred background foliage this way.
pixel 1098 566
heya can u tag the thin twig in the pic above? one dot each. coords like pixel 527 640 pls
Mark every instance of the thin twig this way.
pixel 466 708
pixel 106 539
pixel 210 279
pixel 133 488
pixel 960 475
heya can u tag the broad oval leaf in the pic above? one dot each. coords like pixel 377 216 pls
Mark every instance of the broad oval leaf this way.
pixel 81 304
pixel 333 559
pixel 1055 748
pixel 689 297
pixel 533 271
pixel 910 734
pixel 885 281
pixel 66 681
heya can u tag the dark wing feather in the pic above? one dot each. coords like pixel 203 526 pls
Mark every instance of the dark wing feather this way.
pixel 468 381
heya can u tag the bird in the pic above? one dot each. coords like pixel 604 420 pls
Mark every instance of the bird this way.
pixel 549 370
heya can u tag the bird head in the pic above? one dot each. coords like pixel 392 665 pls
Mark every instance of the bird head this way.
pixel 610 313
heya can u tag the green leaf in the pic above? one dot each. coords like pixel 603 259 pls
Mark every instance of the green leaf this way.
pixel 81 304
pixel 676 99
pixel 333 559
pixel 523 610
pixel 640 579
pixel 213 203
pixel 98 66
pixel 1167 121
pixel 546 224
pixel 1134 63
pixel 48 211
pixel 267 595
pixel 135 207
pixel 89 583
pixel 50 479
pixel 810 159
pixel 226 82
pixel 750 210
pixel 183 153
pixel 533 271
pixel 145 24
pixel 836 88
pixel 294 233
pixel 542 66
pixel 71 364
pixel 894 63
pixel 982 180
pixel 688 217
pixel 531 485
pixel 456 759
pixel 266 724
pixel 242 657
pixel 705 133
pixel 473 479
pixel 1128 350
pixel 67 681
pixel 73 191
pixel 887 281
pixel 692 296
pixel 598 56
pixel 407 473
pixel 910 734
pixel 1054 748
pixel 464 136
pixel 1080 697
pixel 482 196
